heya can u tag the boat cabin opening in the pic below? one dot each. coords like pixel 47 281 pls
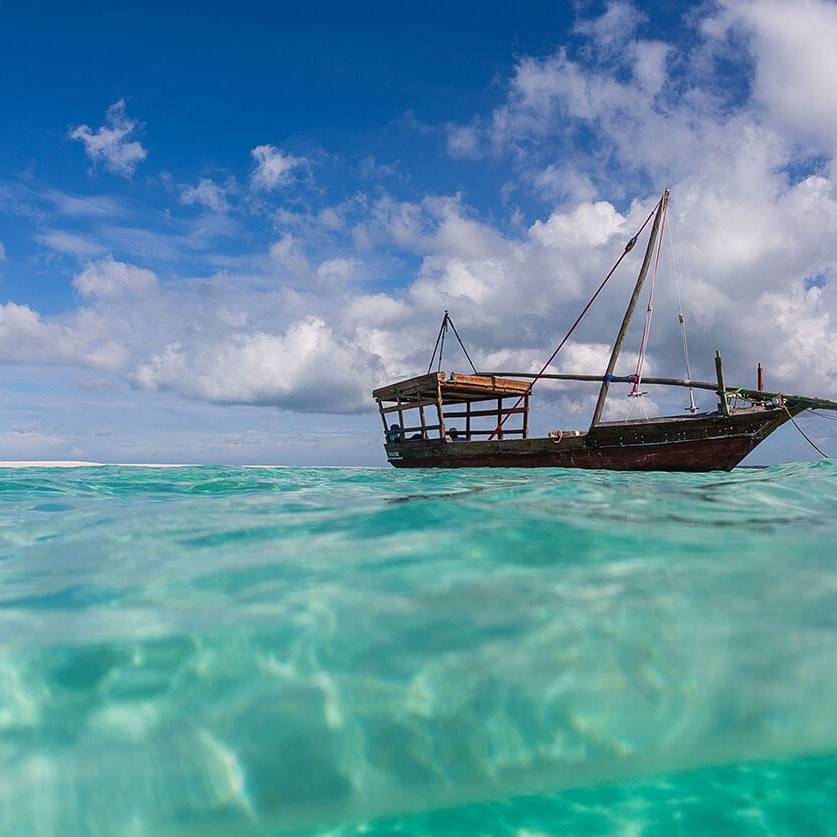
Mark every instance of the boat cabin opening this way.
pixel 454 408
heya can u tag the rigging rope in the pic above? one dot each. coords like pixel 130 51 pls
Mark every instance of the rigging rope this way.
pixel 692 408
pixel 628 247
pixel 440 344
pixel 462 345
pixel 439 338
pixel 802 433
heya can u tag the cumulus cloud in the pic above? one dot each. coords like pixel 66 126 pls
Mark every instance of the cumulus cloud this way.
pixel 793 50
pixel 749 158
pixel 25 336
pixel 111 144
pixel 274 167
pixel 305 368
pixel 182 338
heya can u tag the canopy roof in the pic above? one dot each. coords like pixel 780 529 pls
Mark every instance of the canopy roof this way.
pixel 451 390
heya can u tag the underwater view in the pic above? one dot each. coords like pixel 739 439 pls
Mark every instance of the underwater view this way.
pixel 345 651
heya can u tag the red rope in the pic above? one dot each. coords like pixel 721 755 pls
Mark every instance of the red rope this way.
pixel 628 247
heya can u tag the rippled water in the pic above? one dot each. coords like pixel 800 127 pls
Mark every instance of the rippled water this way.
pixel 345 651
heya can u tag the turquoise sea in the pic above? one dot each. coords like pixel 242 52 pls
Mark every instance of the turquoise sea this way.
pixel 338 651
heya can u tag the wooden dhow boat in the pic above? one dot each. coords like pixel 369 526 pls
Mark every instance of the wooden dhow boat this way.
pixel 482 419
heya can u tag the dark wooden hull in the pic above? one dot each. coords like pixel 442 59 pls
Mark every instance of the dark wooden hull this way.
pixel 706 442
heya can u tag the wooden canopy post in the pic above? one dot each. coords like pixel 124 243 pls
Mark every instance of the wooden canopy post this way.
pixel 383 416
pixel 440 410
pixel 400 417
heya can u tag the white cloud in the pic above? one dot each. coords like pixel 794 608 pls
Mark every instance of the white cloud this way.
pixel 87 206
pixel 79 245
pixel 792 45
pixel 208 194
pixel 288 254
pixel 803 348
pixel 109 278
pixel 273 167
pixel 464 141
pixel 590 225
pixel 30 441
pixel 2 252
pixel 25 337
pixel 562 181
pixel 615 29
pixel 371 169
pixel 111 144
pixel 334 274
pixel 185 338
pixel 331 219
pixel 306 368
pixel 650 66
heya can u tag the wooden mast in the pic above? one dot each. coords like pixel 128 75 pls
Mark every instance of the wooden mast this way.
pixel 617 346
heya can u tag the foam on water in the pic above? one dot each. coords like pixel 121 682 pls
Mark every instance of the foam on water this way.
pixel 235 651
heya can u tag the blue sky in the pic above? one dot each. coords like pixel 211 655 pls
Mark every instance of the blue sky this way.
pixel 221 227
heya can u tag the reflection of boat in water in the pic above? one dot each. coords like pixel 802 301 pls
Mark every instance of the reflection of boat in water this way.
pixel 482 420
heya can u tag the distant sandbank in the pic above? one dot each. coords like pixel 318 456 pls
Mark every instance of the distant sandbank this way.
pixel 69 463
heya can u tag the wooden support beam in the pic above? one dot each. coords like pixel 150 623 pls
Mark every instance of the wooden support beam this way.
pixel 723 404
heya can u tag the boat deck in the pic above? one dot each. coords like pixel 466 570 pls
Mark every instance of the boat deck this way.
pixel 454 401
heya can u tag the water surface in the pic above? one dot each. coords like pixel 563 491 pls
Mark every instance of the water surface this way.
pixel 343 651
